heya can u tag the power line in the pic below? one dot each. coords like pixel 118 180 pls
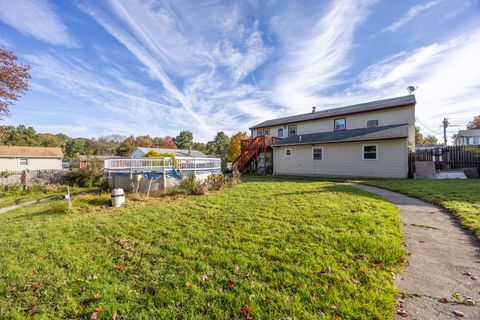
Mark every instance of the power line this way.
pixel 423 124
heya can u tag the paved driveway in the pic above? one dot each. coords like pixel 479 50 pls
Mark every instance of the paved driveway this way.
pixel 443 275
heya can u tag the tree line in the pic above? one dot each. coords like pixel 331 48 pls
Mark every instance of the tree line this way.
pixel 224 146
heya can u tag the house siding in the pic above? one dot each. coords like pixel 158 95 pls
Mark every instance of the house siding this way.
pixel 399 115
pixel 345 159
pixel 12 164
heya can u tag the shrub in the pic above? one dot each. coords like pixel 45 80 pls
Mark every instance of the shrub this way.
pixel 216 181
pixel 201 189
pixel 189 184
pixel 236 176
pixel 87 177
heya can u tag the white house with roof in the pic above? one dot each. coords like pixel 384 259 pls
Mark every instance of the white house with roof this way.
pixel 140 152
pixel 468 137
pixel 19 158
pixel 364 140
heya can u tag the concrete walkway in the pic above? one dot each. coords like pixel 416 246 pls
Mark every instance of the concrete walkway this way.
pixel 23 204
pixel 442 279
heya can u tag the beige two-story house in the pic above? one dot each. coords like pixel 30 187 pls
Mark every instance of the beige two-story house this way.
pixel 364 140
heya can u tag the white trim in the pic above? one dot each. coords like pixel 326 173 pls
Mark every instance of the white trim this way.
pixel 370 145
pixel 323 155
pixel 288 155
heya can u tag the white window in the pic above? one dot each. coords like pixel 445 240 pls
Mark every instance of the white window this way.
pixel 259 132
pixel 23 162
pixel 340 124
pixel 280 132
pixel 317 153
pixel 370 152
pixel 292 130
pixel 288 152
pixel 372 123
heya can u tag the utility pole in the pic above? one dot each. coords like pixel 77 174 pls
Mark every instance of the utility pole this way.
pixel 445 125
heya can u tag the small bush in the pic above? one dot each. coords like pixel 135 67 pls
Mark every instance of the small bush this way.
pixel 87 177
pixel 189 184
pixel 216 181
pixel 202 189
pixel 236 176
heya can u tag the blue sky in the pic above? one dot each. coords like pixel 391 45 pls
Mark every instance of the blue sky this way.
pixel 159 67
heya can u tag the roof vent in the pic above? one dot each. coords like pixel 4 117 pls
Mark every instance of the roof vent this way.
pixel 313 109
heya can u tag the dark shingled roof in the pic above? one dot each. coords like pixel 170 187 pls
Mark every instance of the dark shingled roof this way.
pixel 469 133
pixel 356 108
pixel 363 134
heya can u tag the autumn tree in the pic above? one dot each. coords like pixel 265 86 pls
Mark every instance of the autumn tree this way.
pixel 475 123
pixel 126 147
pixel 233 149
pixel 13 80
pixel 165 142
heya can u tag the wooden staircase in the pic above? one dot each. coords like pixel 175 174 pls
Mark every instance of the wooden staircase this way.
pixel 250 149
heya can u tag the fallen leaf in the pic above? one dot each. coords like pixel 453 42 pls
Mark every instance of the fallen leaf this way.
pixel 120 267
pixel 443 300
pixel 96 296
pixel 230 283
pixel 116 316
pixel 99 308
pixel 187 284
pixel 458 313
pixel 94 316
pixel 237 269
pixel 34 285
pixel 314 298
pixel 204 278
pixel 402 313
pixel 267 299
pixel 466 273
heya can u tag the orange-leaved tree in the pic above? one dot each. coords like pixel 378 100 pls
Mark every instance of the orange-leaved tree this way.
pixel 13 80
pixel 233 149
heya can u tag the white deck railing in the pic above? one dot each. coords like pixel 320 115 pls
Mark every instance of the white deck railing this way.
pixel 162 164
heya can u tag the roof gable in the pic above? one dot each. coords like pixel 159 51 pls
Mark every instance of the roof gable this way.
pixel 21 151
pixel 356 108
pixel 470 133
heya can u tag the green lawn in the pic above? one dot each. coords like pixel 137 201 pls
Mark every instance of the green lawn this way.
pixel 265 249
pixel 462 197
pixel 9 197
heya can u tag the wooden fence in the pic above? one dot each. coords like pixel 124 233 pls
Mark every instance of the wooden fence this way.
pixel 446 158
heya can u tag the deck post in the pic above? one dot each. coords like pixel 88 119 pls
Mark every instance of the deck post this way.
pixel 195 165
pixel 164 182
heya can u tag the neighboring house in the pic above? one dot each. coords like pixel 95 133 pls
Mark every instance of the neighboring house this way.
pixel 468 137
pixel 16 158
pixel 364 140
pixel 141 152
pixel 84 161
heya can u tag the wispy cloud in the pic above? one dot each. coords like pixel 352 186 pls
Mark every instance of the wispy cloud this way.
pixel 38 19
pixel 210 53
pixel 410 14
pixel 315 60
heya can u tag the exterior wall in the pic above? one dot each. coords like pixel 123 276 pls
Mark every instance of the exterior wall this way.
pixel 12 164
pixel 345 159
pixel 467 141
pixel 137 154
pixel 400 115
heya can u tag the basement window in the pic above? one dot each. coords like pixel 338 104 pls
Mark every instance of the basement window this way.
pixel 288 152
pixel 23 162
pixel 317 153
pixel 370 152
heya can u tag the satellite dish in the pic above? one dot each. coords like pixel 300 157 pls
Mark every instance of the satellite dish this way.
pixel 410 89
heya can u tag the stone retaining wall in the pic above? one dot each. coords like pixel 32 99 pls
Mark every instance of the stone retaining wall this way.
pixel 32 177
